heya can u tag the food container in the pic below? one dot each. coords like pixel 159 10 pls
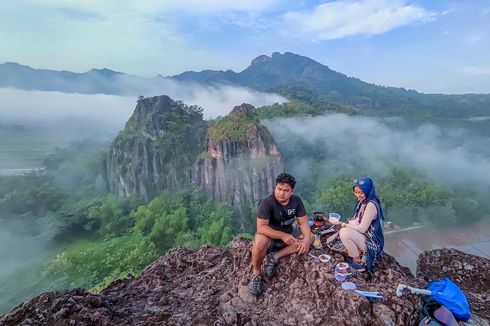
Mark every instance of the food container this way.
pixel 333 217
pixel 341 271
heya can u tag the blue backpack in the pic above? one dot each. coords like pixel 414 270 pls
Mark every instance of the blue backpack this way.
pixel 450 296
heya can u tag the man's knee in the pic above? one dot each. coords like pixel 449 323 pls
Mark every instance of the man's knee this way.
pixel 261 242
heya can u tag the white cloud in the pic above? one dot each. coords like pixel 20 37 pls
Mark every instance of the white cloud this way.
pixel 220 5
pixel 40 107
pixel 143 38
pixel 476 71
pixel 216 100
pixel 376 146
pixel 219 100
pixel 340 19
pixel 156 6
pixel 84 36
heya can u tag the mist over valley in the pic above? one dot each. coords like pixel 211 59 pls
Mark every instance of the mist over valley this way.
pixel 449 156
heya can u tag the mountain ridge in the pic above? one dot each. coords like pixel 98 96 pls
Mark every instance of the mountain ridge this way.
pixel 182 76
pixel 273 74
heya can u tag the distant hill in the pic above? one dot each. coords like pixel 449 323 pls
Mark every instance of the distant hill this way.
pixel 282 71
pixel 94 81
pixel 291 75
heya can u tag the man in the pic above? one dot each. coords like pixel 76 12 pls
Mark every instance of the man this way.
pixel 275 237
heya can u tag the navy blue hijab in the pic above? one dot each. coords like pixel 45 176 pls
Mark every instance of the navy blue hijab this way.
pixel 367 187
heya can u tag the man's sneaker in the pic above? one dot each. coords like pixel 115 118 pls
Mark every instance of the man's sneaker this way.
pixel 360 267
pixel 270 265
pixel 255 285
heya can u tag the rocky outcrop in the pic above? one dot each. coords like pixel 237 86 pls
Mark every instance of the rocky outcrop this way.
pixel 241 161
pixel 210 287
pixel 164 147
pixel 156 149
pixel 471 273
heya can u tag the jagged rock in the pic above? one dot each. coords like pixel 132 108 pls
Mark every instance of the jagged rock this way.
pixel 471 273
pixel 156 149
pixel 210 287
pixel 242 160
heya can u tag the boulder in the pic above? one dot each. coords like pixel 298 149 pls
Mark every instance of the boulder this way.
pixel 471 273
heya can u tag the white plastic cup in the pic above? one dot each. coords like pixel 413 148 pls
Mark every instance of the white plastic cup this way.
pixel 333 217
pixel 341 271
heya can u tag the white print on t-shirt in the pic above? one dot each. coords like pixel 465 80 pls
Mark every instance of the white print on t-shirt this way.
pixel 291 211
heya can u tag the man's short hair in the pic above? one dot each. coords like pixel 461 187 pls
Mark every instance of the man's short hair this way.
pixel 286 178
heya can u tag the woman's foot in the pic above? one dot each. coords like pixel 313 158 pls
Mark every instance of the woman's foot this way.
pixel 357 265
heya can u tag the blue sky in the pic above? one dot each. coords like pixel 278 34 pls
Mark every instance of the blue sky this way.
pixel 430 46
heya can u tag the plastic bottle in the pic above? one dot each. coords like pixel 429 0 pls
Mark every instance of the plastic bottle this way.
pixel 317 244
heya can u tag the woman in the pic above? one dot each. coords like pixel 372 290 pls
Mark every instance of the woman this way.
pixel 363 236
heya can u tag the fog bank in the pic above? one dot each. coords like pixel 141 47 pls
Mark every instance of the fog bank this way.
pixel 112 111
pixel 451 156
pixel 24 249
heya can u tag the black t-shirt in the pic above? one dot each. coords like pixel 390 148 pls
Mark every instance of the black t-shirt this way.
pixel 281 217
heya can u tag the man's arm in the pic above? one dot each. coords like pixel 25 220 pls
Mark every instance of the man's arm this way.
pixel 305 231
pixel 264 228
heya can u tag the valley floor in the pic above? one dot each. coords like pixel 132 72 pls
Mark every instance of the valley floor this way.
pixel 405 246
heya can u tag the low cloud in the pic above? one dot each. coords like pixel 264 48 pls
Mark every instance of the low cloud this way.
pixel 450 156
pixel 32 123
pixel 339 19
pixel 39 109
pixel 218 100
pixel 20 269
pixel 110 112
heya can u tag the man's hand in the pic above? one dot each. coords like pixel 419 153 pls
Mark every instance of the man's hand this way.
pixel 304 245
pixel 288 239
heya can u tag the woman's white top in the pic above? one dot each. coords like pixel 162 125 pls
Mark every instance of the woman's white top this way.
pixel 369 215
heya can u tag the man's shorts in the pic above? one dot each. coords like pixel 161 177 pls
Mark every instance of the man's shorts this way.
pixel 278 244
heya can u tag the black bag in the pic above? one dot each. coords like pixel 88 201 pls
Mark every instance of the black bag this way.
pixel 433 313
